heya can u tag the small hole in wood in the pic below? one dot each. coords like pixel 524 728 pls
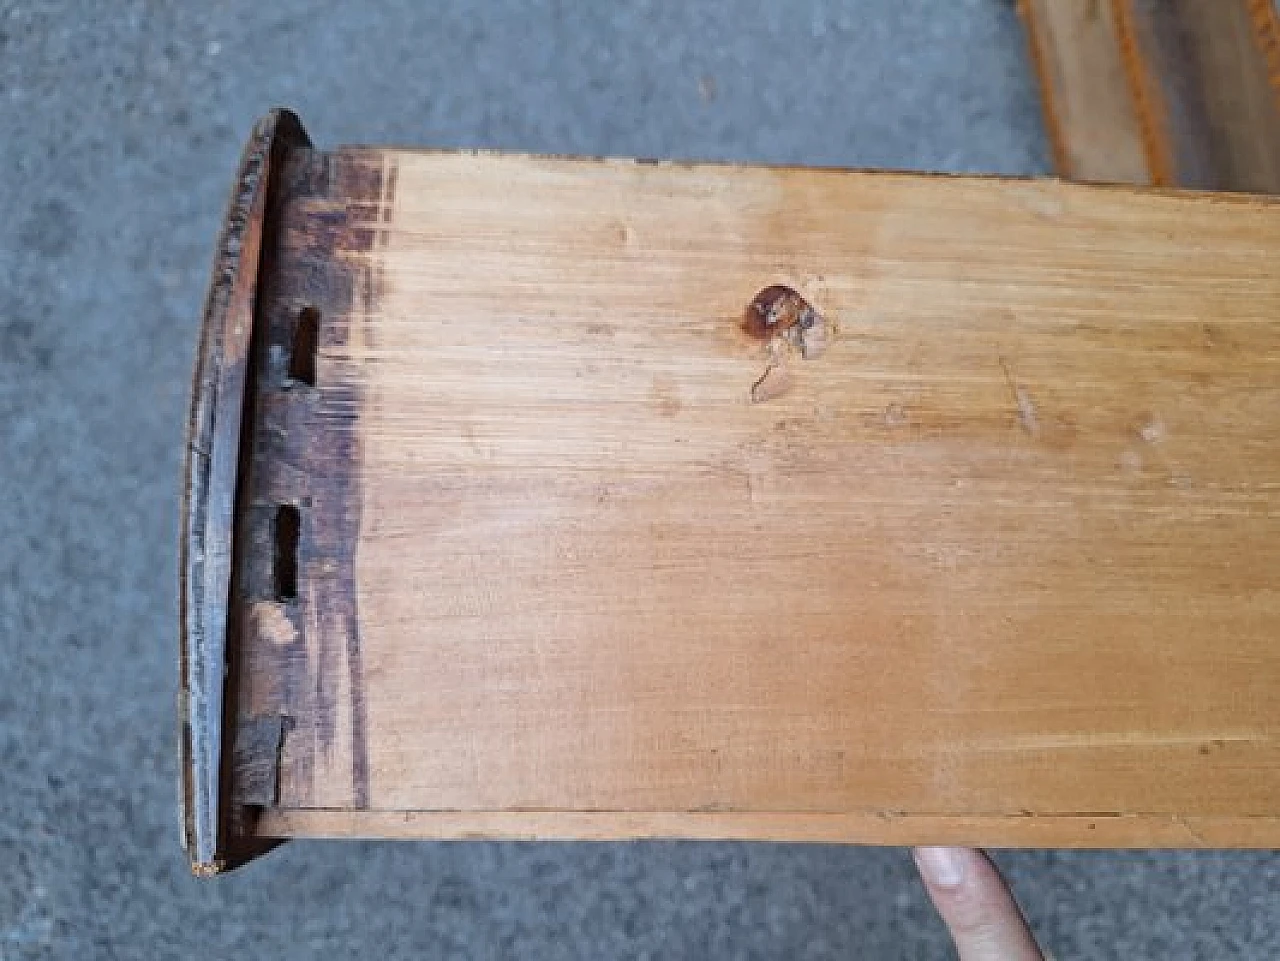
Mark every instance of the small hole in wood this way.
pixel 285 560
pixel 775 310
pixel 306 339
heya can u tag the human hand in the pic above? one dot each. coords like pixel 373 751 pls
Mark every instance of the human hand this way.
pixel 976 905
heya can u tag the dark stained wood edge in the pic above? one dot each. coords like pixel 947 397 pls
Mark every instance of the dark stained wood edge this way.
pixel 211 480
pixel 297 669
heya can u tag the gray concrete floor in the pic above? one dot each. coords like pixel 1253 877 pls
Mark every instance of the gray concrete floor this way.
pixel 119 128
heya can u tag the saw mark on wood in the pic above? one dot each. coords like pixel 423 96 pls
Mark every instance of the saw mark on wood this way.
pixel 1022 401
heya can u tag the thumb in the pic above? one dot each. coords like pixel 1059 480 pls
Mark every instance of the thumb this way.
pixel 976 905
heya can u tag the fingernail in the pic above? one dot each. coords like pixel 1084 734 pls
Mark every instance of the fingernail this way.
pixel 943 867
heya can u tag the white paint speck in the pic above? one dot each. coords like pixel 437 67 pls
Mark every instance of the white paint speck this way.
pixel 1027 411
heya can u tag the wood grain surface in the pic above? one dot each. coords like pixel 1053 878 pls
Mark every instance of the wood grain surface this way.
pixel 1090 112
pixel 1208 75
pixel 1172 92
pixel 977 538
pixel 213 456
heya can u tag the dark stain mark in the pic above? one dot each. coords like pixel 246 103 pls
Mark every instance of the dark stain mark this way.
pixel 357 181
pixel 329 228
pixel 317 297
pixel 336 612
pixel 256 760
pixel 336 444
pixel 50 228
pixel 603 331
pixel 220 433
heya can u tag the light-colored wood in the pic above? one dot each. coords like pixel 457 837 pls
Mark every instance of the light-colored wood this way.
pixel 998 565
pixel 1171 92
pixel 1042 831
pixel 1089 108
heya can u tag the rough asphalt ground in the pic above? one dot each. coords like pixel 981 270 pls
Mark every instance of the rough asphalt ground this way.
pixel 120 124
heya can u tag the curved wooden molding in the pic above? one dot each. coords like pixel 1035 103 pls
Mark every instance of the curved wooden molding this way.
pixel 213 463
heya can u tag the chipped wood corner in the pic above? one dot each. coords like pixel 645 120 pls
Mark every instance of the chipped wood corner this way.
pixel 214 457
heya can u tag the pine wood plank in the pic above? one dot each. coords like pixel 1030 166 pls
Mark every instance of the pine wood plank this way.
pixel 986 552
pixel 629 587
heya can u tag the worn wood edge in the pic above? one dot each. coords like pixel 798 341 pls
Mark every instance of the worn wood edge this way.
pixel 298 633
pixel 1149 105
pixel 1085 830
pixel 1152 69
pixel 1037 49
pixel 1181 194
pixel 1046 63
pixel 1174 154
pixel 210 481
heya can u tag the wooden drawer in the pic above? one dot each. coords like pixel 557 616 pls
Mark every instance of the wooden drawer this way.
pixel 542 497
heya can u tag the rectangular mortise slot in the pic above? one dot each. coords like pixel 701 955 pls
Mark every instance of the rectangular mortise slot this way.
pixel 306 341
pixel 285 558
